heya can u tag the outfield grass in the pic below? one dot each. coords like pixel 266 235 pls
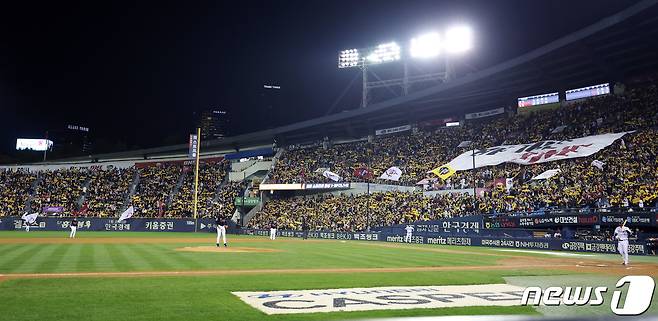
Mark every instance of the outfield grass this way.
pixel 209 297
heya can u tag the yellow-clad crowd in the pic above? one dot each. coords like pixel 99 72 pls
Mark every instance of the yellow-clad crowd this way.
pixel 60 188
pixel 107 191
pixel 424 149
pixel 354 212
pixel 224 204
pixel 15 187
pixel 155 185
pixel 210 177
pixel 627 180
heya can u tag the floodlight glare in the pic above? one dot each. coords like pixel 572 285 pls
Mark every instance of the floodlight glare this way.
pixel 458 39
pixel 384 53
pixel 426 46
pixel 349 58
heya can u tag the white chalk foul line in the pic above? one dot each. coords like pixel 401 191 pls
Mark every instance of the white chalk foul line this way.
pixel 543 252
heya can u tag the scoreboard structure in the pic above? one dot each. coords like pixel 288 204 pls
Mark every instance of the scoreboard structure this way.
pixel 589 91
pixel 537 100
pixel 38 145
pixel 552 100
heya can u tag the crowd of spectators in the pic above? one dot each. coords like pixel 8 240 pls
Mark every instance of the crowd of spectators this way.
pixel 15 187
pixel 155 185
pixel 107 191
pixel 60 188
pixel 350 212
pixel 418 152
pixel 211 175
pixel 628 179
pixel 224 204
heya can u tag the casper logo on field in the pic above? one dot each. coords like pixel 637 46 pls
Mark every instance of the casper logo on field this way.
pixel 383 298
pixel 637 297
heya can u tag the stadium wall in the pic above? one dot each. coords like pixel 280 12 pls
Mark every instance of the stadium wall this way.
pixel 635 248
pixel 462 232
pixel 112 224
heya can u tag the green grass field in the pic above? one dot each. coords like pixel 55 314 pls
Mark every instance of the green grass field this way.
pixel 200 288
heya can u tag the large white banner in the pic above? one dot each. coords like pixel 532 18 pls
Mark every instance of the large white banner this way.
pixel 535 153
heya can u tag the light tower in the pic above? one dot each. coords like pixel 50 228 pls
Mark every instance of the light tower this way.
pixel 454 41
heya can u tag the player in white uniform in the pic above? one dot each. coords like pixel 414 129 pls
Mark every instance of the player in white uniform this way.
pixel 273 231
pixel 410 231
pixel 621 235
pixel 221 230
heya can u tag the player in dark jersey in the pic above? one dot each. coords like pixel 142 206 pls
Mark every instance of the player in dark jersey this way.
pixel 74 228
pixel 273 230
pixel 305 227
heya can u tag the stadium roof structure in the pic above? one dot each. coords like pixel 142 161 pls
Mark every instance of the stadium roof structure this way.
pixel 615 49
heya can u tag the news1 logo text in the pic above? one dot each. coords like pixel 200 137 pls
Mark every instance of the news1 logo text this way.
pixel 637 296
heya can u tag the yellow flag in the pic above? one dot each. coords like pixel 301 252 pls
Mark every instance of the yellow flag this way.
pixel 444 171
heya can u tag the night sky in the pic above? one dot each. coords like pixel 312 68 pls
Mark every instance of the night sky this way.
pixel 136 73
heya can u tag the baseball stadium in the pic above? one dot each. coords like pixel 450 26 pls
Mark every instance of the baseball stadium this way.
pixel 523 190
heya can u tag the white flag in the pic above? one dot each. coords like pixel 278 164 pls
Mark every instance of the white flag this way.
pixel 332 176
pixel 547 174
pixel 30 218
pixel 598 164
pixel 509 183
pixel 464 143
pixel 426 181
pixel 127 213
pixel 558 129
pixel 321 170
pixel 392 174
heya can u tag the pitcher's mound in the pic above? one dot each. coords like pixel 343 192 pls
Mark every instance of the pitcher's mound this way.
pixel 222 249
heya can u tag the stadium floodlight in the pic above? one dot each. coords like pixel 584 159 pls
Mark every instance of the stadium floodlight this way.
pixel 385 52
pixel 349 58
pixel 458 39
pixel 426 46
